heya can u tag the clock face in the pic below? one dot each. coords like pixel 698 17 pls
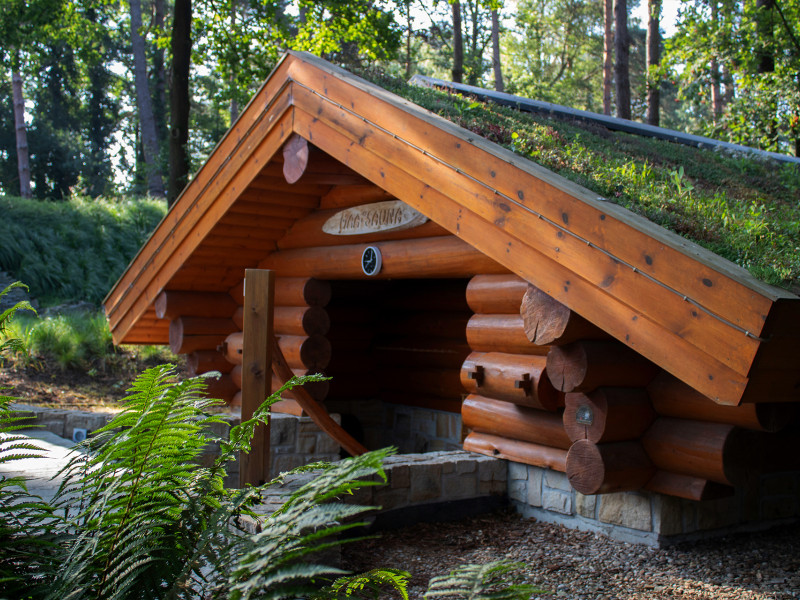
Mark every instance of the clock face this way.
pixel 371 260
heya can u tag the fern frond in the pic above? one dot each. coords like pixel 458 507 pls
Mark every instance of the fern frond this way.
pixel 498 580
pixel 371 585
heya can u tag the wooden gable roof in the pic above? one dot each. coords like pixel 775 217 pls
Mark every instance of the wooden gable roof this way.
pixel 696 315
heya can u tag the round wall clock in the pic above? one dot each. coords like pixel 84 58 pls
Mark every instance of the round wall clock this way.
pixel 371 260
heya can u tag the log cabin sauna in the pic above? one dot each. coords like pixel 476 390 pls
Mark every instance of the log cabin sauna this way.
pixel 426 269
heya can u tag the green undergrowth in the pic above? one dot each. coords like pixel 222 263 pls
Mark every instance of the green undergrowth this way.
pixel 742 208
pixel 76 340
pixel 73 250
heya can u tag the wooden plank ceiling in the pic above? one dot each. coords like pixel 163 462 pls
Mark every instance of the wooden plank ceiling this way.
pixel 696 315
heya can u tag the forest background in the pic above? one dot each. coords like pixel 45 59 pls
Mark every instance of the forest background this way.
pixel 102 97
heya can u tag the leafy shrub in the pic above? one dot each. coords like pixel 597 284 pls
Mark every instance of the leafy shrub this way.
pixel 73 250
pixel 73 340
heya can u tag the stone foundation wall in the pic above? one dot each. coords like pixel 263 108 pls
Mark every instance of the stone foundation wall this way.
pixel 294 441
pixel 416 480
pixel 649 518
pixel 411 429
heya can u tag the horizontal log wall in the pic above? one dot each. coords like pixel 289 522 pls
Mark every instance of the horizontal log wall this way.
pixel 513 409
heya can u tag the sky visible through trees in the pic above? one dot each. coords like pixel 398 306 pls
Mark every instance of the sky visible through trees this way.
pixel 107 111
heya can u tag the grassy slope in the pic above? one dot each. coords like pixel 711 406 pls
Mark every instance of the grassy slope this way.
pixel 743 209
pixel 73 250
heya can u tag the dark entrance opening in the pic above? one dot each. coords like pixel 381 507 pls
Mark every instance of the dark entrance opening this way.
pixel 397 350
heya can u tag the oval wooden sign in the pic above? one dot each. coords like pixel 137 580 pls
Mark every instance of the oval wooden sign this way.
pixel 391 215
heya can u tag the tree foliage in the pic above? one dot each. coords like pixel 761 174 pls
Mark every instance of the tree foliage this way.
pixel 762 105
pixel 556 52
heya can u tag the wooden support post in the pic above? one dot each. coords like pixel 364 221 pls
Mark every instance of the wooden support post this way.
pixel 256 369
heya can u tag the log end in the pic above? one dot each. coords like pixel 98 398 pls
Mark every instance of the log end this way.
pixel 295 158
pixel 585 467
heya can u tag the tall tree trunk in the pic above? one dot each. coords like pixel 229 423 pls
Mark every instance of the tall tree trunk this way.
pixel 474 59
pixel 716 91
pixel 160 75
pixel 498 69
pixel 21 130
pixel 765 54
pixel 727 79
pixel 179 99
pixel 144 104
pixel 621 68
pixel 458 44
pixel 408 38
pixel 765 49
pixel 608 54
pixel 234 108
pixel 653 59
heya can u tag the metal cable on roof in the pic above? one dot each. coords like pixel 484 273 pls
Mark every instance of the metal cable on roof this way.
pixel 530 210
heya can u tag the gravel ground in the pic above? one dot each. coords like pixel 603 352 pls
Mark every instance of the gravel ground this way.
pixel 588 566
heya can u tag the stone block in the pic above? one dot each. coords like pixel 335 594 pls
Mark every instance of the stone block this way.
pixel 307 443
pixel 284 462
pixel 464 466
pixel 83 420
pixel 424 422
pixel 458 487
pixel 779 484
pixel 388 498
pixel 557 501
pixel 667 515
pixel 327 445
pixel 628 509
pixel 518 489
pixel 492 469
pixel 52 423
pixel 400 476
pixel 557 480
pixel 779 507
pixel 492 487
pixel 714 514
pixel 402 425
pixel 425 483
pixel 283 430
pixel 517 471
pixel 535 477
pixel 585 505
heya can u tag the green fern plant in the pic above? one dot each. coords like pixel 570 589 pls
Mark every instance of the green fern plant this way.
pixel 150 522
pixel 25 520
pixel 498 580
pixel 138 517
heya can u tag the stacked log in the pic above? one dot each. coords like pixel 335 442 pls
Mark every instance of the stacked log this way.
pixel 512 410
pixel 198 323
pixel 701 448
pixel 673 398
pixel 301 324
pixel 585 365
pixel 601 381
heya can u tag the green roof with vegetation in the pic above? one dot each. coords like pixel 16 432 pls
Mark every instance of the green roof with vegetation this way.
pixel 742 208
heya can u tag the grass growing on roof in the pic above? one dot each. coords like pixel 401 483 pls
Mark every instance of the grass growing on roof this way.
pixel 742 208
pixel 73 250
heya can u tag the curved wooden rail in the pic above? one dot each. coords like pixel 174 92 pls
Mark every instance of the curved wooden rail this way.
pixel 314 410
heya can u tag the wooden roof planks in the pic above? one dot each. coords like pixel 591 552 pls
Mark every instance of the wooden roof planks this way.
pixel 697 316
